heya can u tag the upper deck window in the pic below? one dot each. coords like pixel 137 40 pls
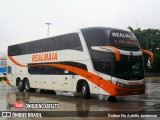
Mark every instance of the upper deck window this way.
pixel 63 42
pixel 95 37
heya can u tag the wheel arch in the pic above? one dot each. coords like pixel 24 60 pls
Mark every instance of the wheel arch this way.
pixel 25 78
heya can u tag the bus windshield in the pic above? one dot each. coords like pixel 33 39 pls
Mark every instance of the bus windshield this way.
pixel 124 40
pixel 129 68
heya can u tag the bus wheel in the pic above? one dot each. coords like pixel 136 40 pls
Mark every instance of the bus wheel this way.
pixel 112 99
pixel 27 86
pixel 85 91
pixel 20 85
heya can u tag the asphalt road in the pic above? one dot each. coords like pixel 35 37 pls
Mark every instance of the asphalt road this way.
pixel 74 107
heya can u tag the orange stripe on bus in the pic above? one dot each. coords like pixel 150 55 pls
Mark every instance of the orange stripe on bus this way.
pixel 7 81
pixel 107 86
pixel 15 62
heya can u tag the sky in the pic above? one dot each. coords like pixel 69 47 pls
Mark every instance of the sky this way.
pixel 24 20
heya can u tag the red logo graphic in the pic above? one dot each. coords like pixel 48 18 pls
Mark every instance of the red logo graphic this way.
pixel 18 105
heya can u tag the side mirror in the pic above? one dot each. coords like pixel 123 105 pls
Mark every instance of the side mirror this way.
pixel 150 54
pixel 115 50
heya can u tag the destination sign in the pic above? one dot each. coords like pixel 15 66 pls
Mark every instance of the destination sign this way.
pixel 120 34
pixel 123 39
pixel 126 42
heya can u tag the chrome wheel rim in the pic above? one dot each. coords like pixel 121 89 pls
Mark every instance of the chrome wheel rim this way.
pixel 83 90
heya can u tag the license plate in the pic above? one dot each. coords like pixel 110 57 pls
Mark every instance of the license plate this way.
pixel 135 93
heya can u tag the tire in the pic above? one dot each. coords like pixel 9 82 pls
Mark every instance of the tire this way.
pixel 27 86
pixel 85 91
pixel 112 99
pixel 20 85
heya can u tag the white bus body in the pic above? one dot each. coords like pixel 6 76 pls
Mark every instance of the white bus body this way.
pixel 72 67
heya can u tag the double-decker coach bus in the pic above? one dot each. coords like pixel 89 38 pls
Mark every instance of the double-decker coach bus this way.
pixel 97 60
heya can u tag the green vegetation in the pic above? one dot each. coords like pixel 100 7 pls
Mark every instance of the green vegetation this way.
pixel 149 39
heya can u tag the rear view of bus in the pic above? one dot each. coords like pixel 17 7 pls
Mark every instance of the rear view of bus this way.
pixel 118 59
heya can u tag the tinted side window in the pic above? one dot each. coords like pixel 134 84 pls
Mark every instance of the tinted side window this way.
pixel 45 45
pixel 32 47
pixel 95 37
pixel 74 42
pixel 16 49
pixel 47 70
pixel 68 41
pixel 101 62
pixel 38 68
pixel 100 59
